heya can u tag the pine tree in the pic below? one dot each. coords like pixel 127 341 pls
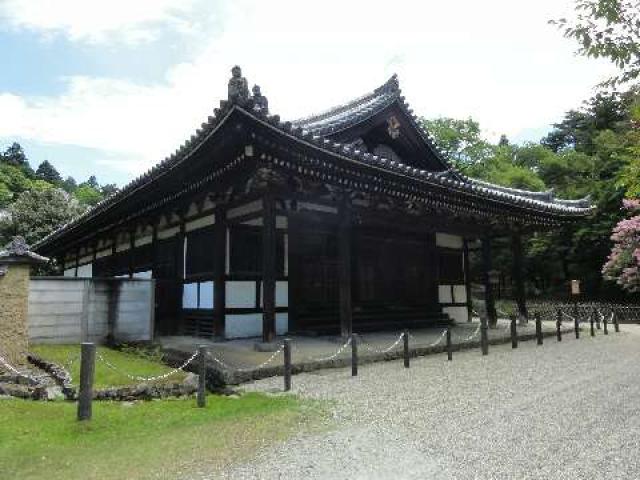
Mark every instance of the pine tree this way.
pixel 48 173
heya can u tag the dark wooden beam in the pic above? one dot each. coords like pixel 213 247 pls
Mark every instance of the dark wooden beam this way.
pixel 269 269
pixel 518 275
pixel 467 277
pixel 75 274
pixel 219 271
pixel 132 247
pixel 492 315
pixel 345 242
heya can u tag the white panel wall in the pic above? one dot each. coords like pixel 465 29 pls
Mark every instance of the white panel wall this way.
pixel 190 295
pixel 85 271
pixel 459 293
pixel 444 294
pixel 242 326
pixel 70 272
pixel 241 294
pixel 458 314
pixel 206 295
pixel 449 241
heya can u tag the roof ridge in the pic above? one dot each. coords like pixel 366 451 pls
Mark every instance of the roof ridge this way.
pixel 391 86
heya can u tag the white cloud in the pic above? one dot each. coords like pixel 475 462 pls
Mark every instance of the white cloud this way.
pixel 99 21
pixel 497 61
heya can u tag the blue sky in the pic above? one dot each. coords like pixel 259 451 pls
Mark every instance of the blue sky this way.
pixel 110 88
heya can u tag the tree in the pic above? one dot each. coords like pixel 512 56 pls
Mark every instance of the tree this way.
pixel 37 213
pixel 460 140
pixel 69 185
pixel 48 173
pixel 14 155
pixel 92 182
pixel 87 195
pixel 108 189
pixel 607 29
pixel 5 195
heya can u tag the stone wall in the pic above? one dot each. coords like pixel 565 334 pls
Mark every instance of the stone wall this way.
pixel 14 293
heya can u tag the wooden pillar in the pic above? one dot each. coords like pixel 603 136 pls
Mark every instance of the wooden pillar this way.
pixel 492 315
pixel 518 276
pixel 467 278
pixel 345 234
pixel 114 251
pixel 132 246
pixel 179 275
pixel 268 269
pixel 293 251
pixel 154 248
pixel 219 272
pixel 75 274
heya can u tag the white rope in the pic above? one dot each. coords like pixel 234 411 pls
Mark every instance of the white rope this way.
pixel 148 379
pixel 569 316
pixel 331 357
pixel 13 369
pixel 386 350
pixel 247 369
pixel 470 337
pixel 433 344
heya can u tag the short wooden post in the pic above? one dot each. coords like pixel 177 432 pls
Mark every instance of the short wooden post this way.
pixel 405 336
pixel 514 332
pixel 616 325
pixel 354 355
pixel 597 315
pixel 484 335
pixel 593 331
pixel 449 346
pixel 605 325
pixel 538 328
pixel 87 373
pixel 576 326
pixel 202 376
pixel 287 364
pixel 559 325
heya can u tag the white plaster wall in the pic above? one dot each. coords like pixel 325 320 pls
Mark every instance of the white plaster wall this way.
pixel 243 326
pixel 85 271
pixel 206 295
pixel 241 294
pixel 199 223
pixel 458 314
pixel 282 294
pixel 245 209
pixel 282 323
pixel 449 241
pixel 459 294
pixel 146 275
pixel 70 272
pixel 190 295
pixel 444 294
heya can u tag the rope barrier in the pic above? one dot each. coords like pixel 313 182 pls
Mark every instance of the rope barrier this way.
pixel 246 369
pixel 331 357
pixel 147 379
pixel 436 342
pixel 386 350
pixel 470 337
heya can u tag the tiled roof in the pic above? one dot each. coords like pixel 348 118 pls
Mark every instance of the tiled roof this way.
pixel 313 129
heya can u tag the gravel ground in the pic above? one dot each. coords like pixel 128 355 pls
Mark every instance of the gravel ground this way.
pixel 565 410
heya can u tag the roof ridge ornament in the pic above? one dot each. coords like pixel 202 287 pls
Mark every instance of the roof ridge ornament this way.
pixel 18 251
pixel 260 102
pixel 238 88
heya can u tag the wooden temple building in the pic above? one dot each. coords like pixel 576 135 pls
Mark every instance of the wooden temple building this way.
pixel 348 220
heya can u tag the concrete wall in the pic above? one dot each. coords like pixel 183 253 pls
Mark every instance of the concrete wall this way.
pixel 71 310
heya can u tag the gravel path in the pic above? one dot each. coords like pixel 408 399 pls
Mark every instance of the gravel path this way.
pixel 565 410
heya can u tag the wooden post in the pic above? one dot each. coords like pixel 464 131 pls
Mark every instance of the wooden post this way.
pixel 559 325
pixel 576 326
pixel 202 376
pixel 616 324
pixel 269 269
pixel 287 364
pixel 605 325
pixel 484 335
pixel 354 355
pixel 449 346
pixel 516 240
pixel 596 313
pixel 514 332
pixel 488 290
pixel 406 348
pixel 344 267
pixel 467 278
pixel 75 274
pixel 538 328
pixel 132 249
pixel 87 373
pixel 593 332
pixel 219 272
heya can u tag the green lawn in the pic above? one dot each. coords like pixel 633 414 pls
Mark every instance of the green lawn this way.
pixel 155 439
pixel 106 377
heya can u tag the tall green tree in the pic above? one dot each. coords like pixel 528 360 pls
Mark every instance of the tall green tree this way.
pixel 48 173
pixel 607 29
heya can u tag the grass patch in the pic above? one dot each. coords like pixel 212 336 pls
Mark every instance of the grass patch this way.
pixel 156 439
pixel 105 377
